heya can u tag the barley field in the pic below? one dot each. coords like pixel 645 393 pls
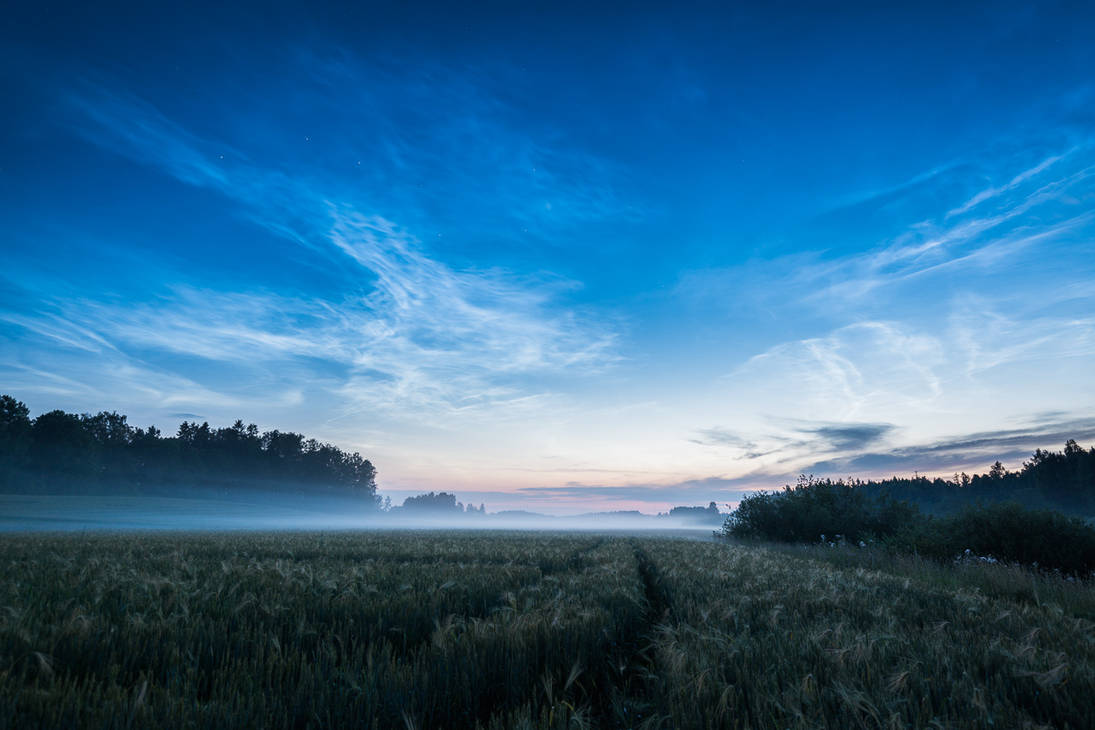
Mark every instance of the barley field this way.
pixel 508 630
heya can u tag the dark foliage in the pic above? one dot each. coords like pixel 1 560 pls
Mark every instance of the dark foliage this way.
pixel 439 502
pixel 60 452
pixel 815 508
pixel 1061 480
pixel 982 526
pixel 709 514
pixel 1010 533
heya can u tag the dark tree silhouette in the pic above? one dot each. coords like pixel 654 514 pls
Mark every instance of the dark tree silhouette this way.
pixel 1060 480
pixel 441 502
pixel 60 452
pixel 1010 515
pixel 708 514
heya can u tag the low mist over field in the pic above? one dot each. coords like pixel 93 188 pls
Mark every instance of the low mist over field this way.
pixel 198 511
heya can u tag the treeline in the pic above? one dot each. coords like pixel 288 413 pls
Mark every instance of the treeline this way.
pixel 1060 480
pixel 60 452
pixel 998 515
pixel 439 503
pixel 701 515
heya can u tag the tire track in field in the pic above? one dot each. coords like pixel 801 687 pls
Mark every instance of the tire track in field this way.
pixel 658 599
pixel 630 671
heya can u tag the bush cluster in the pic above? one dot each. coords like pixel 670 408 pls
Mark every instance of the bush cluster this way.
pixel 1010 533
pixel 816 507
pixel 1007 532
pixel 1062 480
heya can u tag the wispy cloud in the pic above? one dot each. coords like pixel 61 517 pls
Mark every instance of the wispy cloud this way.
pixel 1027 211
pixel 991 193
pixel 116 381
pixel 718 436
pixel 849 436
pixel 788 440
pixel 421 335
pixel 853 371
pixel 876 372
pixel 1037 211
pixel 443 352
pixel 983 336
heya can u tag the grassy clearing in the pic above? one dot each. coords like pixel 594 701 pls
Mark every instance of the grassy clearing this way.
pixel 466 630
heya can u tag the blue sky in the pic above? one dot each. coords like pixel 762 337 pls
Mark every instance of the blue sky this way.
pixel 558 258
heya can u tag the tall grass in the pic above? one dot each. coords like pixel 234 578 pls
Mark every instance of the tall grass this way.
pixel 430 630
pixel 769 638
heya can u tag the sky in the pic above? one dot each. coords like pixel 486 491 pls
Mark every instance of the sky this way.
pixel 561 257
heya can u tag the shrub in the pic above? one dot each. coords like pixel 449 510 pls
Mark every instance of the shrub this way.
pixel 814 508
pixel 819 510
pixel 1011 533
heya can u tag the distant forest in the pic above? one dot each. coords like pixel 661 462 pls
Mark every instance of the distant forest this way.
pixel 59 452
pixel 1059 480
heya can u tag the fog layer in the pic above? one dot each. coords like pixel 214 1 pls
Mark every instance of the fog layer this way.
pixel 202 509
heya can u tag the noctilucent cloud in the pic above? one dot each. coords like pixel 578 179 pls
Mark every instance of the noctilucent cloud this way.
pixel 561 259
